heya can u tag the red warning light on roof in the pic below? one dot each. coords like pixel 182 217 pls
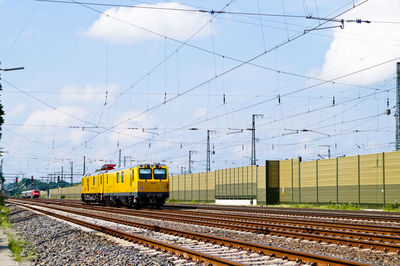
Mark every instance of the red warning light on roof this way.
pixel 108 167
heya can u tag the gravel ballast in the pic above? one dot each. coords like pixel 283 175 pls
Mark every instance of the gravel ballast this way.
pixel 52 242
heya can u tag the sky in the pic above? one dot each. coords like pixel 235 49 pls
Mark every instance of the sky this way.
pixel 150 78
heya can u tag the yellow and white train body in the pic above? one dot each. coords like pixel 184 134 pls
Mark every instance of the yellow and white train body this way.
pixel 135 186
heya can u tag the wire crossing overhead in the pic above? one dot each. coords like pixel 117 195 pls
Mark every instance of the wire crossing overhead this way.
pixel 213 12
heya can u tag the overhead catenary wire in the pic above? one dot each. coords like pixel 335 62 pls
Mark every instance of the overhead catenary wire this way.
pixel 228 71
pixel 212 12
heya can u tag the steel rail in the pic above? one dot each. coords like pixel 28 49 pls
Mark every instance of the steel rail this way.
pixel 358 239
pixel 336 237
pixel 379 229
pixel 362 215
pixel 297 256
pixel 186 253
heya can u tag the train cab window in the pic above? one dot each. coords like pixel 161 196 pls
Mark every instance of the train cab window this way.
pixel 132 177
pixel 117 177
pixel 160 173
pixel 122 177
pixel 94 181
pixel 145 173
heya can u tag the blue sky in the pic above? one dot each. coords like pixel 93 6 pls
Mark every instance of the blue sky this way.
pixel 136 79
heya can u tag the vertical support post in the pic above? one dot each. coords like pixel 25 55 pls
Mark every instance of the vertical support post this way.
pixel 359 181
pixel 207 187
pixel 299 181
pixel 62 173
pixel 72 172
pixel 253 140
pixel 266 182
pixel 208 152
pixel 119 158
pixel 337 180
pixel 316 180
pixel 191 184
pixel 383 180
pixel 247 178
pixel 84 165
pixel 292 180
pixel 397 114
pixel 184 187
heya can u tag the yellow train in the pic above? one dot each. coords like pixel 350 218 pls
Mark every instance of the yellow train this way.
pixel 135 186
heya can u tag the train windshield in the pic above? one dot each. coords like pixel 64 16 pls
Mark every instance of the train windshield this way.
pixel 160 173
pixel 145 173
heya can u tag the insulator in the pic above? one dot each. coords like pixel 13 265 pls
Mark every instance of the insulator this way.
pixel 333 101
pixel 387 111
pixel 387 102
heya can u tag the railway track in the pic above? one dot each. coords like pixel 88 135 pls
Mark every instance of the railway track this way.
pixel 207 242
pixel 362 215
pixel 357 236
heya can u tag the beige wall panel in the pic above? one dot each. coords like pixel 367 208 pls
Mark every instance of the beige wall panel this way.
pixel 307 177
pixel 261 177
pixel 295 173
pixel 393 194
pixel 392 168
pixel 196 181
pixel 211 179
pixel 295 180
pixel 348 171
pixel 241 181
pixel 371 169
pixel 327 172
pixel 182 192
pixel 285 172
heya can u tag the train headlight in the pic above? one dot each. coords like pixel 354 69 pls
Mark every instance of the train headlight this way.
pixel 164 188
pixel 140 188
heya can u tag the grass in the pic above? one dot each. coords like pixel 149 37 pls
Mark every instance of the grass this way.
pixel 15 243
pixel 392 207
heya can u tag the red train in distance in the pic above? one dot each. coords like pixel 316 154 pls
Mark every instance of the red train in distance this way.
pixel 31 194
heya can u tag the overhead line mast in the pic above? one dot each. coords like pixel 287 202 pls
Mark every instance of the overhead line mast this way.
pixel 398 107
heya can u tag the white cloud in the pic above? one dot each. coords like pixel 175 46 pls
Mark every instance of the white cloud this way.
pixel 115 23
pixel 88 94
pixel 50 117
pixel 19 108
pixel 358 46
pixel 123 134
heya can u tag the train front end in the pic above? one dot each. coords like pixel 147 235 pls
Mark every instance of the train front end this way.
pixel 153 185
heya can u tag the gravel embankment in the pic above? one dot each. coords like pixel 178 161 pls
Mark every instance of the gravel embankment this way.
pixel 56 243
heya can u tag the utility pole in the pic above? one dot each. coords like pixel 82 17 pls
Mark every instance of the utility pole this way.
pixel 208 167
pixel 190 160
pixel 62 173
pixel 119 158
pixel 84 165
pixel 253 138
pixel 397 115
pixel 72 172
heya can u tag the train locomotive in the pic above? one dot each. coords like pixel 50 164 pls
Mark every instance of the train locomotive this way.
pixel 134 186
pixel 30 194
